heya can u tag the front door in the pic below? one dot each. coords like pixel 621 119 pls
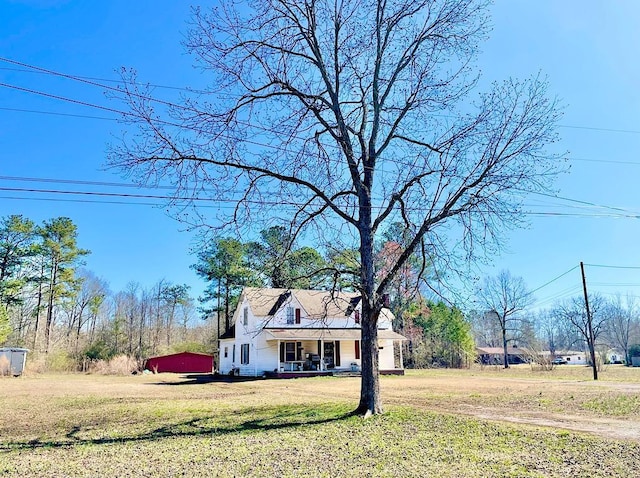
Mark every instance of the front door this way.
pixel 329 355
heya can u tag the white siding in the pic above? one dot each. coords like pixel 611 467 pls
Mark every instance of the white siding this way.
pixel 226 363
pixel 385 355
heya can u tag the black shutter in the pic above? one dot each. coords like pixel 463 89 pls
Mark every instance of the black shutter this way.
pixel 281 351
pixel 337 347
pixel 319 348
pixel 298 350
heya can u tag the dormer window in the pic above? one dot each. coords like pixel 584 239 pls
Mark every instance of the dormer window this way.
pixel 245 316
pixel 289 315
pixel 356 316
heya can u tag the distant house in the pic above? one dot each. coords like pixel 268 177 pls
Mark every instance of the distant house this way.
pixel 183 362
pixel 495 355
pixel 614 356
pixel 295 332
pixel 573 357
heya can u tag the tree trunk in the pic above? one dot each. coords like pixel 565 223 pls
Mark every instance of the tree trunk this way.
pixel 227 315
pixel 79 328
pixel 50 304
pixel 370 402
pixel 143 314
pixel 37 323
pixel 504 346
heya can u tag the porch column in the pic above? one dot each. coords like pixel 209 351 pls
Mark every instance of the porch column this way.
pixel 278 357
pixel 401 361
pixel 321 353
pixel 255 366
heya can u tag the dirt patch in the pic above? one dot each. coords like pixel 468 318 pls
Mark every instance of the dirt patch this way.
pixel 604 427
pixel 560 404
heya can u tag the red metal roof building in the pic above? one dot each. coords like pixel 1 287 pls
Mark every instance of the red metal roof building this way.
pixel 183 362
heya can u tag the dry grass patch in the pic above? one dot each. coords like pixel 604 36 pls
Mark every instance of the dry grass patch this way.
pixel 167 425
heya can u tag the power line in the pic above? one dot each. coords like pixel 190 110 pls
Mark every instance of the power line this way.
pixel 81 182
pixel 91 201
pixel 569 291
pixel 554 279
pixel 129 185
pixel 619 212
pixel 37 70
pixel 606 161
pixel 64 98
pixel 104 118
pixel 230 202
pixel 89 80
pixel 29 68
pixel 615 284
pixel 147 196
pixel 592 128
pixel 613 267
pixel 623 213
pixel 54 113
pixel 286 203
pixel 587 203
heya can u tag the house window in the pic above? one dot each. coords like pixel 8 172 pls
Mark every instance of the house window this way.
pixel 297 316
pixel 226 352
pixel 244 354
pixel 357 349
pixel 289 315
pixel 245 317
pixel 569 359
pixel 289 351
pixel 357 316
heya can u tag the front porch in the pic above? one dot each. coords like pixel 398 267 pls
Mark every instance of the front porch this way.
pixel 307 352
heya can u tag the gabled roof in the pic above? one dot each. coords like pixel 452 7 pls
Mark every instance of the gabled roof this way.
pixel 317 303
pixel 326 334
pixel 178 354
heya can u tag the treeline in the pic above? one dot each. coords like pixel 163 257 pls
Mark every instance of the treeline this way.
pixel 56 308
pixel 52 305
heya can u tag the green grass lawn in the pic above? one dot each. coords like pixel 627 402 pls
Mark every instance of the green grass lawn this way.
pixel 79 425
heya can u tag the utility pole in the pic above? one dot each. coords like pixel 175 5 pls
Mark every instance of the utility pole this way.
pixel 591 339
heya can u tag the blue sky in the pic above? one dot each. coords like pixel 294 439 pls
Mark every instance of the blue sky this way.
pixel 588 53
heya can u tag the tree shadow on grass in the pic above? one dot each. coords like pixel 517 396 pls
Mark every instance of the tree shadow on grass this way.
pixel 197 379
pixel 269 418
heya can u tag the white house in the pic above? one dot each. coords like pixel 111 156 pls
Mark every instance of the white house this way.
pixel 294 332
pixel 573 357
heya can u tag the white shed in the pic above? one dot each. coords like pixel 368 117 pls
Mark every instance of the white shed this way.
pixel 12 361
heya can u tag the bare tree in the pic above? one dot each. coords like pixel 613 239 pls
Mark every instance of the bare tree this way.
pixel 623 322
pixel 574 312
pixel 82 305
pixel 339 118
pixel 505 297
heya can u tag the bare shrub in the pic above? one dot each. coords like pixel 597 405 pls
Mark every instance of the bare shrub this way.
pixel 36 364
pixel 539 361
pixel 59 361
pixel 119 365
